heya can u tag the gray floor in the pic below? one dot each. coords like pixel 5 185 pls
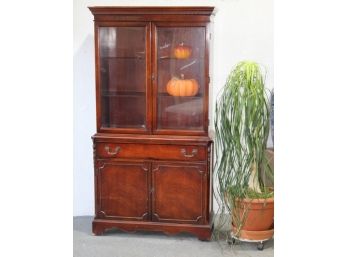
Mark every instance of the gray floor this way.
pixel 145 244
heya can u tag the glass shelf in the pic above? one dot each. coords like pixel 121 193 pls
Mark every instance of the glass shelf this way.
pixel 181 97
pixel 123 94
pixel 111 125
pixel 178 59
pixel 123 57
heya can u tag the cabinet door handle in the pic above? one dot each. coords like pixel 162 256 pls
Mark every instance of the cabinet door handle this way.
pixel 193 153
pixel 110 152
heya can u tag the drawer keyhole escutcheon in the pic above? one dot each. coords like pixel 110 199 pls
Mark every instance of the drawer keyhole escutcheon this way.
pixel 185 154
pixel 110 152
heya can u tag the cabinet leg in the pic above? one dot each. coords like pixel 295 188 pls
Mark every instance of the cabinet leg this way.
pixel 97 230
pixel 204 236
pixel 204 239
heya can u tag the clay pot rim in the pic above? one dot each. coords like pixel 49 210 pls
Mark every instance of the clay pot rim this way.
pixel 270 229
pixel 256 200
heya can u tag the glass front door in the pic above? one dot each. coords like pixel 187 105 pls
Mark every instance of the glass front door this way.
pixel 122 60
pixel 180 82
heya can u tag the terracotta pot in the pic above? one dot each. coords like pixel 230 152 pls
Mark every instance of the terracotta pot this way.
pixel 259 213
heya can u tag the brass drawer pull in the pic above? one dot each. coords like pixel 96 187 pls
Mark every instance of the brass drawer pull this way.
pixel 193 153
pixel 117 149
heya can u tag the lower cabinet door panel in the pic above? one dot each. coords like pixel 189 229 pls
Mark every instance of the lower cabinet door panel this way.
pixel 179 192
pixel 122 190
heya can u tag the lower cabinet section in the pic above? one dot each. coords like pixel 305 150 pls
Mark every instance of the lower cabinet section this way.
pixel 171 196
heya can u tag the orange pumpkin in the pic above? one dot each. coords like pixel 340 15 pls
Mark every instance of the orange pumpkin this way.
pixel 182 52
pixel 182 87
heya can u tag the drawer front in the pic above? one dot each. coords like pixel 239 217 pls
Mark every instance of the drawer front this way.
pixel 151 151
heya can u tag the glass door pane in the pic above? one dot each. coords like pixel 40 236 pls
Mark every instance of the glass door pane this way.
pixel 180 78
pixel 122 77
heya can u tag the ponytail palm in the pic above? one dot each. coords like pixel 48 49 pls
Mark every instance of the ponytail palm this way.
pixel 242 125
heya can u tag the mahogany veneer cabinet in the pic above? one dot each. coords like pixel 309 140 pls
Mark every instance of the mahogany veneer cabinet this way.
pixel 152 152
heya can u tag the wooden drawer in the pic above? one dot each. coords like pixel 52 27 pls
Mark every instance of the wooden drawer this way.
pixel 151 151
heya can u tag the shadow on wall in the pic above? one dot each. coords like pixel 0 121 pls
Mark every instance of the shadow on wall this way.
pixel 84 127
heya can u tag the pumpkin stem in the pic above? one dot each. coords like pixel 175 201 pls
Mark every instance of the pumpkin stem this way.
pixel 182 76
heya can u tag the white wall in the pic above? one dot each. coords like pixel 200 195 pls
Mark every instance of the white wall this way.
pixel 243 29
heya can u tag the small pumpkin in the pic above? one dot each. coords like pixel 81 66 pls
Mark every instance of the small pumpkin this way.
pixel 182 51
pixel 182 87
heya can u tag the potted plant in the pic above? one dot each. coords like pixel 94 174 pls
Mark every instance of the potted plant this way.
pixel 242 123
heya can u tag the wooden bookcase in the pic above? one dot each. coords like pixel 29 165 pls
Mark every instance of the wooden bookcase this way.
pixel 152 153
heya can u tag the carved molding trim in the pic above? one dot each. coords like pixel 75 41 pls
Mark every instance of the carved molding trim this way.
pixel 209 153
pixel 198 219
pixel 156 217
pixel 94 151
pixel 145 167
pixel 198 168
pixel 100 166
pixel 145 215
pixel 155 168
pixel 103 214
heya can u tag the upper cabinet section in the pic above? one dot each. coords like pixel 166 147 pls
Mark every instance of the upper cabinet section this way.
pixel 152 69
